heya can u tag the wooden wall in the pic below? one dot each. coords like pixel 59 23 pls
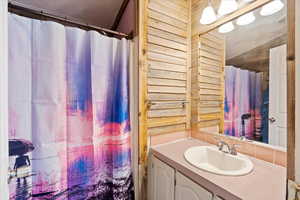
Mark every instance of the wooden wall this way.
pixel 208 63
pixel 297 49
pixel 164 69
pixel 167 47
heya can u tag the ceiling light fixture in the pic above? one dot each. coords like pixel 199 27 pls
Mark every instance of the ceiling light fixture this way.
pixel 271 8
pixel 245 19
pixel 208 15
pixel 226 28
pixel 227 6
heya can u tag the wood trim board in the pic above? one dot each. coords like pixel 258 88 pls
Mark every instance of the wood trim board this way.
pixel 202 29
pixel 291 70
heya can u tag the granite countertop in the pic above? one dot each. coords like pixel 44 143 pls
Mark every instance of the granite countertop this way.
pixel 266 182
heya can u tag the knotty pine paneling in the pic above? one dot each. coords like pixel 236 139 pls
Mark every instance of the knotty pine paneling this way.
pixel 208 78
pixel 167 60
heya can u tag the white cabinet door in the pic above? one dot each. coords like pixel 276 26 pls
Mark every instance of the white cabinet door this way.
pixel 186 189
pixel 162 181
pixel 278 97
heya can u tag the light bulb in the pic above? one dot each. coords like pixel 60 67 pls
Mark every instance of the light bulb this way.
pixel 208 15
pixel 245 19
pixel 226 28
pixel 271 8
pixel 227 6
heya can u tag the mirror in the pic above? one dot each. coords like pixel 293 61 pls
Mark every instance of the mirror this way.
pixel 255 77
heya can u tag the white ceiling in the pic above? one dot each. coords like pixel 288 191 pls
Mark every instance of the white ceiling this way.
pixel 263 30
pixel 96 12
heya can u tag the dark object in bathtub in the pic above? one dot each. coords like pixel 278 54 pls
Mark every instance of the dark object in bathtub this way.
pixel 244 117
pixel 21 169
pixel 19 147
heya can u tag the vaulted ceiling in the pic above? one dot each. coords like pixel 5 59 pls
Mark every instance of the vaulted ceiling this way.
pixel 97 12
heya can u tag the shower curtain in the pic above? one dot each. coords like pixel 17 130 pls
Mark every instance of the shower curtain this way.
pixel 243 96
pixel 69 131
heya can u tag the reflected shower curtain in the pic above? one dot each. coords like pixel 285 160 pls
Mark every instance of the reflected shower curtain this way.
pixel 242 96
pixel 69 131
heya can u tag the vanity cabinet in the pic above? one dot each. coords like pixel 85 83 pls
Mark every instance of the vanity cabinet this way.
pixel 167 184
pixel 187 189
pixel 162 181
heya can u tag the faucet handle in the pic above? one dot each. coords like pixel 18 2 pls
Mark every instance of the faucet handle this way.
pixel 233 149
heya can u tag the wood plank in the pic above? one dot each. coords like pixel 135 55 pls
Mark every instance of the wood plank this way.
pixel 143 129
pixel 209 86
pixel 166 97
pixel 167 11
pixel 165 58
pixel 166 89
pixel 209 92
pixel 166 27
pixel 293 26
pixel 220 67
pixel 166 129
pixel 165 121
pixel 212 38
pixel 222 119
pixel 166 74
pixel 166 82
pixel 210 98
pixel 205 79
pixel 167 35
pixel 210 116
pixel 167 51
pixel 182 3
pixel 210 43
pixel 160 105
pixel 211 74
pixel 189 68
pixel 211 50
pixel 174 6
pixel 166 113
pixel 166 66
pixel 170 20
pixel 210 123
pixel 210 55
pixel 210 61
pixel 206 110
pixel 194 83
pixel 166 43
pixel 211 67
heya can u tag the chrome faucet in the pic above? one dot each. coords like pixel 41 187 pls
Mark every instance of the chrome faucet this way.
pixel 221 145
pixel 231 150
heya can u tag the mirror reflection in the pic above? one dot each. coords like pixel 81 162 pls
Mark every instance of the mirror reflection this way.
pixel 255 77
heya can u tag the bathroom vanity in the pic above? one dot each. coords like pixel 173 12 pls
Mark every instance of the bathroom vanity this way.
pixel 172 177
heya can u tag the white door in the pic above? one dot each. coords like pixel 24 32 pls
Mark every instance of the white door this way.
pixel 162 181
pixel 278 96
pixel 186 189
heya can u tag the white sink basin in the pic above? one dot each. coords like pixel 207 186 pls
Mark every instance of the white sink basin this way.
pixel 210 159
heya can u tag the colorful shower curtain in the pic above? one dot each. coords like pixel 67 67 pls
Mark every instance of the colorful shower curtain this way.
pixel 243 96
pixel 69 131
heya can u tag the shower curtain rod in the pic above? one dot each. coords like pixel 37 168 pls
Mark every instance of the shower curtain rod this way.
pixel 13 6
